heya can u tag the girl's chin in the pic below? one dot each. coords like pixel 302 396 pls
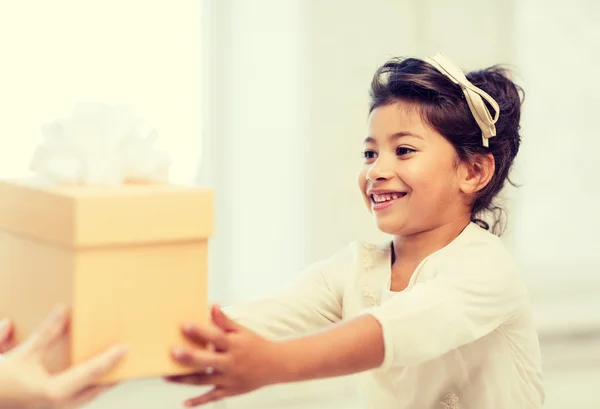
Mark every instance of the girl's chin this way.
pixel 393 226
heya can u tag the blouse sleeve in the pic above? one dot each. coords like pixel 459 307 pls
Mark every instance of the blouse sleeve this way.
pixel 310 303
pixel 466 300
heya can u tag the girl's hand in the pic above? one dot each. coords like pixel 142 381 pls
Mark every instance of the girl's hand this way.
pixel 237 360
pixel 26 383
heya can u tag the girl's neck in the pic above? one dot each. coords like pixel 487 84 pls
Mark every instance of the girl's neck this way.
pixel 414 248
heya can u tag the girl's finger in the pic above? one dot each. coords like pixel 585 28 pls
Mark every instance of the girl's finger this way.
pixel 198 379
pixel 206 334
pixel 200 359
pixel 223 321
pixel 211 396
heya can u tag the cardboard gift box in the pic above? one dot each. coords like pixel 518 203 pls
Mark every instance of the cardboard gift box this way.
pixel 129 261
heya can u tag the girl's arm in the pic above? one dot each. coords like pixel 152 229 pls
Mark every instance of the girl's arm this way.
pixel 348 348
pixel 312 302
pixel 240 361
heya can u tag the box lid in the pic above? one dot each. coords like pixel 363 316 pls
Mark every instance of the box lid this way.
pixel 89 216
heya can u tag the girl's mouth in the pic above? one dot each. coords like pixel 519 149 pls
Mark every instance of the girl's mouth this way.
pixel 384 200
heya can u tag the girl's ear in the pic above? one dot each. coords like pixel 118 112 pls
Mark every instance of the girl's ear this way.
pixel 476 172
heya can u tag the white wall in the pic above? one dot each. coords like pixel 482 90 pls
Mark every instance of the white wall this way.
pixel 558 205
pixel 256 123
pixel 557 220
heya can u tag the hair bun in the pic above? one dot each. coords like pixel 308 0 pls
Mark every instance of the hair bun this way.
pixel 497 82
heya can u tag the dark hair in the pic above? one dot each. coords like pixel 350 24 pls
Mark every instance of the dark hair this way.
pixel 443 106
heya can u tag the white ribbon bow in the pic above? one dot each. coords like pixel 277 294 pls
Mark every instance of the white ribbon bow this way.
pixel 473 95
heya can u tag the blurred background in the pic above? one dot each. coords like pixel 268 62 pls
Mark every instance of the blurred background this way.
pixel 266 102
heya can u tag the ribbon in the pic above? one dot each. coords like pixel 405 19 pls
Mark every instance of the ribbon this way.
pixel 473 95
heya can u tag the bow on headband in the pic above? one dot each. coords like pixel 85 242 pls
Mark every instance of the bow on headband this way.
pixel 473 95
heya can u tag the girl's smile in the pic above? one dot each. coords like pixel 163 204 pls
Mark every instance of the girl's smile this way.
pixel 384 199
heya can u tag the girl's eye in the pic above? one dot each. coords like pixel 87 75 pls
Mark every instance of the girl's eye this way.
pixel 401 151
pixel 369 154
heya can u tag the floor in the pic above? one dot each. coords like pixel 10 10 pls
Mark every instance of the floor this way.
pixel 155 394
pixel 577 388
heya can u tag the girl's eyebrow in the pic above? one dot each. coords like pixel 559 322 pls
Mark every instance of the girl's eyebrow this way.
pixel 401 134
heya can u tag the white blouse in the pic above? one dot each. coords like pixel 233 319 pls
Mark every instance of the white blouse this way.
pixel 459 336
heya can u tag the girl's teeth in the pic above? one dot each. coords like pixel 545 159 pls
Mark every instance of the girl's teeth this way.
pixel 386 197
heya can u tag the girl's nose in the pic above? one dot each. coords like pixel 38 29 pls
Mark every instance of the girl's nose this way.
pixel 379 170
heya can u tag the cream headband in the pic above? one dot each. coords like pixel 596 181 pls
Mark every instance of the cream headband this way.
pixel 473 96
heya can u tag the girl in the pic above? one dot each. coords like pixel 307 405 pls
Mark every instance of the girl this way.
pixel 437 318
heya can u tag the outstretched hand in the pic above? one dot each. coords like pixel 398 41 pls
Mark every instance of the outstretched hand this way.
pixel 26 383
pixel 236 360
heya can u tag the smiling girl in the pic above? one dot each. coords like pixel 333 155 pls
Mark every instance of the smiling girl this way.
pixel 438 317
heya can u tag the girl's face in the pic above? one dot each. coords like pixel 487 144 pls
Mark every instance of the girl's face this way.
pixel 412 180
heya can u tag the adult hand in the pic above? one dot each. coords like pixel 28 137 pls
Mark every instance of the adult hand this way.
pixel 26 383
pixel 237 360
pixel 5 336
